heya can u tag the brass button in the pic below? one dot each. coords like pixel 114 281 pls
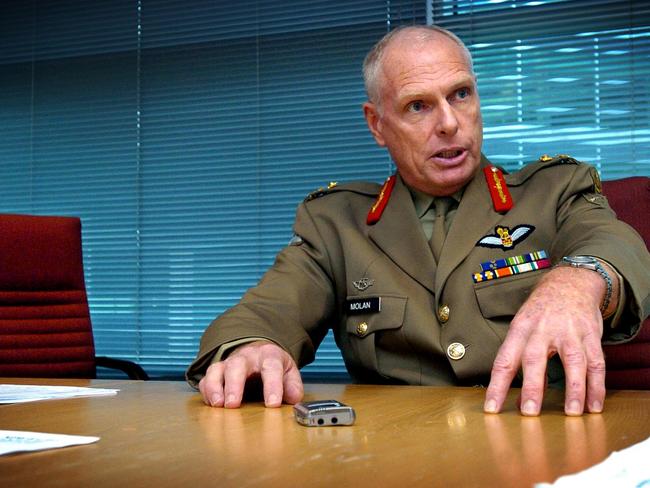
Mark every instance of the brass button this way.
pixel 443 313
pixel 456 351
pixel 362 328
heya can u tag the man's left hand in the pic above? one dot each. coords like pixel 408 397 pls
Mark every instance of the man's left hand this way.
pixel 561 316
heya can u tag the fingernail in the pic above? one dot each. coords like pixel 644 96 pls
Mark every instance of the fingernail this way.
pixel 273 399
pixel 529 408
pixel 491 406
pixel 216 399
pixel 573 408
pixel 230 399
pixel 596 407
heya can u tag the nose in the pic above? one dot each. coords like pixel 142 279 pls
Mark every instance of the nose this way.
pixel 446 123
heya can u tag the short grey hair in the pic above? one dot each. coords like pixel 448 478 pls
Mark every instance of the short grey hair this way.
pixel 373 62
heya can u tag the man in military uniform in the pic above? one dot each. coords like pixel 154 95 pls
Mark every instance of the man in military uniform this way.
pixel 449 273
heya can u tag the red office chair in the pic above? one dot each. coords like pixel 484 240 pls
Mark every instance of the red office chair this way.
pixel 45 328
pixel 628 365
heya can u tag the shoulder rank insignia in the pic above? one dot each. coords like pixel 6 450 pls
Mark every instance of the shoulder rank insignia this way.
pixel 382 200
pixel 321 191
pixel 558 158
pixel 506 238
pixel 501 198
pixel 316 194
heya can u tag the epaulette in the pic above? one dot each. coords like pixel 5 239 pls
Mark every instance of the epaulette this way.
pixel 363 188
pixel 544 161
pixel 557 159
pixel 321 191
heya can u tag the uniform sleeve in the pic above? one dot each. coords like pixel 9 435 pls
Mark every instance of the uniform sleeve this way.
pixel 290 305
pixel 588 226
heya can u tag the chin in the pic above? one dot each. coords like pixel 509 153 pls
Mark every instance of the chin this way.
pixel 453 180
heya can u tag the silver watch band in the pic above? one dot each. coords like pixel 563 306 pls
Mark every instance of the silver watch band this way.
pixel 592 263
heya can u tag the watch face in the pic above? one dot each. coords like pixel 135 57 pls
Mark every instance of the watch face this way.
pixel 580 259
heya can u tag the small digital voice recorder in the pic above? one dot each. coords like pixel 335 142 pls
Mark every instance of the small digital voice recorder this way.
pixel 323 412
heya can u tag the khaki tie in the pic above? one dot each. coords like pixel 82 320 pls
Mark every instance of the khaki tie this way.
pixel 439 233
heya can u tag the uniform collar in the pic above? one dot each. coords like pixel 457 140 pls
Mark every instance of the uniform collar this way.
pixel 422 201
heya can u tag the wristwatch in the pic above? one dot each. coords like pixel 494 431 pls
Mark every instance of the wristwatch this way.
pixel 591 263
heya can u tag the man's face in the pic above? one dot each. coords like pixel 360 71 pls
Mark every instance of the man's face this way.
pixel 428 115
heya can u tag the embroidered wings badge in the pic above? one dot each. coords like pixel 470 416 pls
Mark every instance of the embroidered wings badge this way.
pixel 363 284
pixel 506 238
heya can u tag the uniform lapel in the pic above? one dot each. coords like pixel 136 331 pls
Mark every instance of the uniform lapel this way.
pixel 399 235
pixel 474 218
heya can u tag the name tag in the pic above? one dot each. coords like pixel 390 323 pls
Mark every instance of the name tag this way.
pixel 364 305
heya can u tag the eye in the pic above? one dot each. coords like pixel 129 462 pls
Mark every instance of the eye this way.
pixel 463 93
pixel 416 106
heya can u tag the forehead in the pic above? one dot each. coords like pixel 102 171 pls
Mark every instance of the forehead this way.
pixel 413 63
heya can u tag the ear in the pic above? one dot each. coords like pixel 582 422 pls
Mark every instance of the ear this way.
pixel 373 119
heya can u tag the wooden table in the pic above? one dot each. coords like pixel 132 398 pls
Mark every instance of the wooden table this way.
pixel 161 434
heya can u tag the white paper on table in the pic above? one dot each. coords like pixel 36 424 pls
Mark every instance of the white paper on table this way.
pixel 629 467
pixel 32 393
pixel 21 441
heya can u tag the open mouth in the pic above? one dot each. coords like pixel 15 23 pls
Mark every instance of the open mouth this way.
pixel 449 154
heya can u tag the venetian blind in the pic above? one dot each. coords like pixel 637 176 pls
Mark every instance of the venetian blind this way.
pixel 184 134
pixel 560 76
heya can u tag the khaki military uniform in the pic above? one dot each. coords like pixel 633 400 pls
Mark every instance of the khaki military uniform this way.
pixel 397 316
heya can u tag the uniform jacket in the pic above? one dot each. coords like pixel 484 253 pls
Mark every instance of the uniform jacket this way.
pixel 337 258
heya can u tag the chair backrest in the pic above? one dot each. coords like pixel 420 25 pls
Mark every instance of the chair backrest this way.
pixel 45 328
pixel 628 365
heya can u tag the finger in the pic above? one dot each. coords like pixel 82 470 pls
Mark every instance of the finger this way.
pixel 272 371
pixel 236 372
pixel 575 369
pixel 211 385
pixel 595 377
pixel 293 387
pixel 518 400
pixel 534 362
pixel 504 370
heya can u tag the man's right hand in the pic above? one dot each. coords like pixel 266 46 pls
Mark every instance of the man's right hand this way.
pixel 224 381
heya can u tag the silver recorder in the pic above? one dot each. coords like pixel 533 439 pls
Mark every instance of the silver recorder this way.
pixel 323 412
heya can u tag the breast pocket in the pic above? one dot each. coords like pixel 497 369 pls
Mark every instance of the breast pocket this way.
pixel 504 296
pixel 365 330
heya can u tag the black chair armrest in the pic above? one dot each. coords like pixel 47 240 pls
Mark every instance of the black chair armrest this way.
pixel 133 370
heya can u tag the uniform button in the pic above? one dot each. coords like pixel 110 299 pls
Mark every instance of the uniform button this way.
pixel 362 328
pixel 443 313
pixel 456 351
